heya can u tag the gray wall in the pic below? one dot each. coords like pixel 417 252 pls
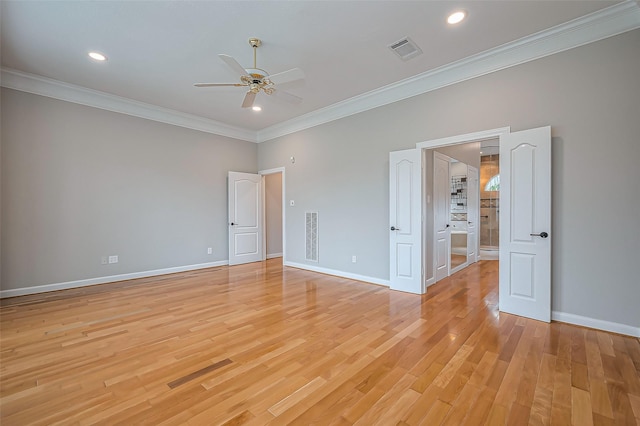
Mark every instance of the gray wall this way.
pixel 591 98
pixel 79 183
pixel 273 213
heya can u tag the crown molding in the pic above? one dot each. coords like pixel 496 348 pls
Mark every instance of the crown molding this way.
pixel 31 83
pixel 599 25
pixel 614 20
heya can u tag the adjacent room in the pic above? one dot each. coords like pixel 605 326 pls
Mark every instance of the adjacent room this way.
pixel 312 212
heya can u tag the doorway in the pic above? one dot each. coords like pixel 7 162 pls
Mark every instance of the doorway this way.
pixel 274 212
pixel 490 199
pixel 273 215
pixel 464 148
pixel 455 206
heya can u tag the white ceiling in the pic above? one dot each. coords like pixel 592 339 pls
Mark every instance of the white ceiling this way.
pixel 158 49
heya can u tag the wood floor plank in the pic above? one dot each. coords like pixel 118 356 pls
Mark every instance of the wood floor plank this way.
pixel 635 405
pixel 600 401
pixel 261 344
pixel 436 414
pixel 581 411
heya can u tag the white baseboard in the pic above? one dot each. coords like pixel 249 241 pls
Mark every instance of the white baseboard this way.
pixel 613 327
pixel 108 279
pixel 337 273
pixel 274 255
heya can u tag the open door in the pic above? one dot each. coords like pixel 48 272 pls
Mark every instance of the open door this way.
pixel 405 216
pixel 245 218
pixel 525 240
pixel 441 209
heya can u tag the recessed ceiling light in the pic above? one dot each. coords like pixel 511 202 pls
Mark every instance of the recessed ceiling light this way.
pixel 256 108
pixel 97 56
pixel 456 17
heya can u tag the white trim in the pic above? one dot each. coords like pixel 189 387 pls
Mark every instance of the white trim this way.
pixel 598 324
pixel 596 26
pixel 31 83
pixel 108 279
pixel 274 255
pixel 466 138
pixel 272 171
pixel 337 273
pixel 263 201
pixel 284 208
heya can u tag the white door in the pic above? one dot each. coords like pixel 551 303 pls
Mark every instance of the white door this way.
pixel 405 216
pixel 441 210
pixel 525 215
pixel 472 214
pixel 245 218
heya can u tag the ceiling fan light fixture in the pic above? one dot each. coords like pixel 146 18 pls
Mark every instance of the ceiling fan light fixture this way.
pixel 456 17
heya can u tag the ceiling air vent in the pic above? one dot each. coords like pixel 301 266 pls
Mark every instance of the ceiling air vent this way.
pixel 405 48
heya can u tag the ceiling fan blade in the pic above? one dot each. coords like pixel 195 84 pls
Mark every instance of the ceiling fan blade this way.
pixel 233 64
pixel 218 84
pixel 249 98
pixel 287 76
pixel 286 96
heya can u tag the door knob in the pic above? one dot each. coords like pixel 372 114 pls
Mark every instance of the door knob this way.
pixel 447 225
pixel 393 228
pixel 541 235
pixel 233 223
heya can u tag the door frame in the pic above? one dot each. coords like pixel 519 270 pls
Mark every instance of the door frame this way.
pixel 448 141
pixel 263 173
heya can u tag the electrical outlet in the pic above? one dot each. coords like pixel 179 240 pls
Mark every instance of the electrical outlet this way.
pixel 103 260
pixel 354 259
pixel 209 250
pixel 113 259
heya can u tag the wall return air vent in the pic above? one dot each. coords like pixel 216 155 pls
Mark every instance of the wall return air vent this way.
pixel 311 236
pixel 405 49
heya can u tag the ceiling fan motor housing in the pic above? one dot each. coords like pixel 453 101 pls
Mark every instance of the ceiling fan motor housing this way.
pixel 255 42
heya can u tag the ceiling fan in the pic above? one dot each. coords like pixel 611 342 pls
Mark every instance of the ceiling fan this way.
pixel 257 79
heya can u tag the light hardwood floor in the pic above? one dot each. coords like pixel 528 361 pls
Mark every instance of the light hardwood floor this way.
pixel 262 344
